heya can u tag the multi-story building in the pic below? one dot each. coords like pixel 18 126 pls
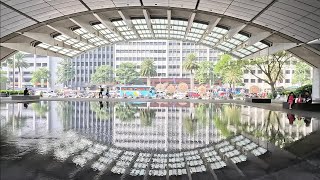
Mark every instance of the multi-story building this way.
pixel 86 64
pixel 35 62
pixel 168 56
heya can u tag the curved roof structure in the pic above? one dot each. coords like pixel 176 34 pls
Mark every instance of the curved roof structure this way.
pixel 243 28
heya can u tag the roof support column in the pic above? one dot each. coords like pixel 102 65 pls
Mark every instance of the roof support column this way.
pixel 276 47
pixel 233 31
pixel 129 23
pixel 316 84
pixel 210 27
pixel 190 22
pixel 106 22
pixel 252 40
pixel 169 22
pixel 147 17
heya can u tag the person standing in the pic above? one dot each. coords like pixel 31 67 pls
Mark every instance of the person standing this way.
pixel 290 100
pixel 26 92
pixel 107 93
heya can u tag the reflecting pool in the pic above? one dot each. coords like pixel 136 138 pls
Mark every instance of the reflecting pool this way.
pixel 105 140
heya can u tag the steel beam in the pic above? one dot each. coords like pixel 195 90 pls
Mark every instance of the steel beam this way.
pixel 210 27
pixel 169 21
pixel 80 22
pixel 233 31
pixel 106 22
pixel 26 47
pixel 6 53
pixel 46 38
pixel 147 17
pixel 128 21
pixel 190 22
pixel 252 40
pixel 69 33
pixel 276 47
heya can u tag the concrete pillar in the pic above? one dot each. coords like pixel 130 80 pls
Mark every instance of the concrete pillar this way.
pixel 316 84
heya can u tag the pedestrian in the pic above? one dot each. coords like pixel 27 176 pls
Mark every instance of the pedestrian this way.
pixel 307 98
pixel 26 92
pixel 100 92
pixel 107 93
pixel 290 100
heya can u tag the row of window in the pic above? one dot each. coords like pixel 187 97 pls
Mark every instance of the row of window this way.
pixel 260 71
pixel 142 43
pixel 102 55
pixel 260 81
pixel 92 63
pixel 31 64
pixel 140 58
pixel 140 51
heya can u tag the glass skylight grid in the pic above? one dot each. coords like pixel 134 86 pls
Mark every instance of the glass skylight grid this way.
pixel 208 42
pixel 223 47
pixel 260 45
pixel 252 48
pixel 219 30
pixel 244 51
pixel 229 45
pixel 176 36
pixel 61 38
pixel 138 21
pixel 238 54
pixel 161 31
pixel 107 33
pixel 161 35
pixel 241 37
pixel 71 41
pixel 44 45
pixel 80 31
pixel 192 38
pixel 124 29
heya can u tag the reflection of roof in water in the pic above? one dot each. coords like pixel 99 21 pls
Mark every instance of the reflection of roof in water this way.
pixel 84 152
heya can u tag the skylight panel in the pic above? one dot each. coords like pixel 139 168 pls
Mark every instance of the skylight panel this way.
pixel 44 45
pixel 260 45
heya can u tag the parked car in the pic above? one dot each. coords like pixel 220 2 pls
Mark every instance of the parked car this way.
pixel 161 94
pixel 179 95
pixel 193 94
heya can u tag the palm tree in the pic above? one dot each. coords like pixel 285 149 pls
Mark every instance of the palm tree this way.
pixel 233 77
pixel 191 65
pixel 18 62
pixel 148 69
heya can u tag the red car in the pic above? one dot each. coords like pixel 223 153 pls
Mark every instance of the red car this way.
pixel 192 94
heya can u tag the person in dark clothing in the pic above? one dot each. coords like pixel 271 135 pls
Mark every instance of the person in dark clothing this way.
pixel 307 98
pixel 25 105
pixel 25 92
pixel 101 104
pixel 291 118
pixel 107 93
pixel 100 92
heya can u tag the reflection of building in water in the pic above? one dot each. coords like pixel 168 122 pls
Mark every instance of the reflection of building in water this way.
pixel 174 126
pixel 89 119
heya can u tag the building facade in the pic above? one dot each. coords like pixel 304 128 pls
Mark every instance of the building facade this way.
pixel 35 62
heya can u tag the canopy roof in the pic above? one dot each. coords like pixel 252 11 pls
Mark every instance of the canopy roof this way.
pixel 243 28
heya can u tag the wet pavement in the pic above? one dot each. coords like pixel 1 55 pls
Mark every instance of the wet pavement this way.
pixel 150 140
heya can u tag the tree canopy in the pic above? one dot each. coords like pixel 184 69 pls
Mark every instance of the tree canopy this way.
pixel 190 63
pixel 271 67
pixel 126 73
pixel 229 70
pixel 41 73
pixel 18 61
pixel 204 73
pixel 302 73
pixel 102 75
pixel 65 71
pixel 148 69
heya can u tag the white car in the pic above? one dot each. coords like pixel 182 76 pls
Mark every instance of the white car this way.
pixel 180 96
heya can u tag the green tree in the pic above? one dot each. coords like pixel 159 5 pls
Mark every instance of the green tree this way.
pixel 270 66
pixel 204 73
pixel 19 62
pixel 302 73
pixel 148 69
pixel 41 73
pixel 65 71
pixel 102 75
pixel 229 70
pixel 126 73
pixel 125 111
pixel 190 64
pixel 147 116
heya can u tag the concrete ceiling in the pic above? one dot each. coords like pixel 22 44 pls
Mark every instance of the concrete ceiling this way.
pixel 243 28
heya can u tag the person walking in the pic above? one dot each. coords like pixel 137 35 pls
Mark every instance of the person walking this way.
pixel 100 92
pixel 290 100
pixel 107 93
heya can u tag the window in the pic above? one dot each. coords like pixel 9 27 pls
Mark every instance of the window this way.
pixel 259 71
pixel 292 71
pixel 287 81
pixel 259 81
pixel 252 80
pixel 253 71
pixel 246 80
pixel 287 71
pixel 31 64
pixel 44 64
pixel 38 64
pixel 281 81
pixel 246 71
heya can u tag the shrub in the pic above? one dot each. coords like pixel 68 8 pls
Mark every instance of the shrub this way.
pixel 12 92
pixel 303 89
